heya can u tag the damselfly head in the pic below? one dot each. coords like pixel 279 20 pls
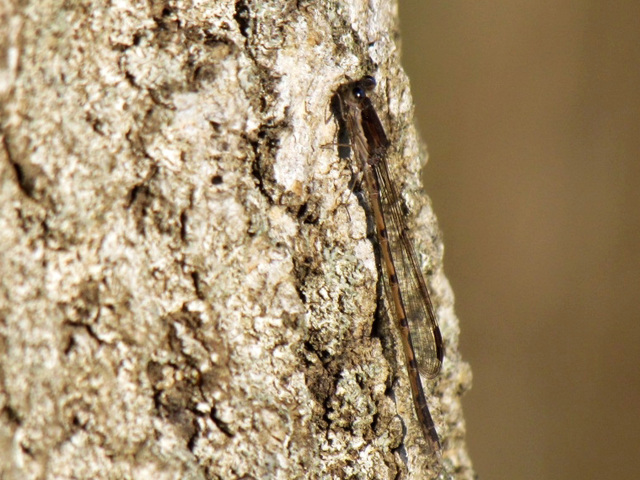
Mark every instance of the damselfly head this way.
pixel 367 82
pixel 362 86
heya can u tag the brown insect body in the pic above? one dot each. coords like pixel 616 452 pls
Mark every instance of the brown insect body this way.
pixel 420 333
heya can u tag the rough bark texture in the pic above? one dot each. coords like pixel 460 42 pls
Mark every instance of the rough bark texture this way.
pixel 188 287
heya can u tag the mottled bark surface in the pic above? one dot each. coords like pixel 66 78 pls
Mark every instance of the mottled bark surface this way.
pixel 188 288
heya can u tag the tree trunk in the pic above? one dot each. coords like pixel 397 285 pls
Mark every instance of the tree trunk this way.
pixel 188 285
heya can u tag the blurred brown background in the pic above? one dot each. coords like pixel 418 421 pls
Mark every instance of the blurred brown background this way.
pixel 531 112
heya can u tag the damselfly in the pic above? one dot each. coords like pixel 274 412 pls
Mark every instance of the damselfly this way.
pixel 406 287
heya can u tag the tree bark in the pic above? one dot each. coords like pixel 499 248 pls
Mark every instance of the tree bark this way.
pixel 188 286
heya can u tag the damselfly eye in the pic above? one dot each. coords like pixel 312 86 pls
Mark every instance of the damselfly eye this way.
pixel 368 82
pixel 358 92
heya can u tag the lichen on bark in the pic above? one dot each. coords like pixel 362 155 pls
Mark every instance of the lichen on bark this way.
pixel 188 286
